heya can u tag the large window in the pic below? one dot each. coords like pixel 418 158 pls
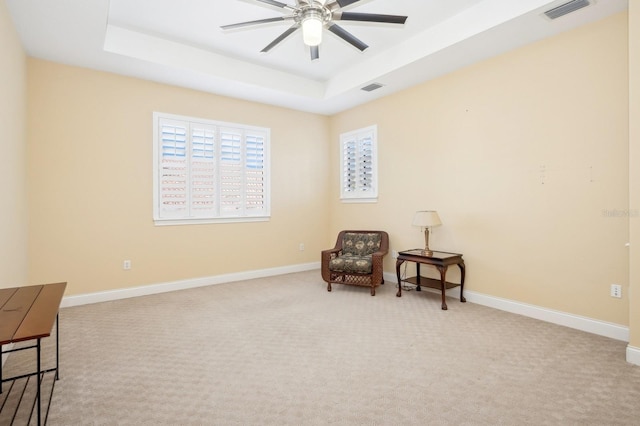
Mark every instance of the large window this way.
pixel 359 165
pixel 207 171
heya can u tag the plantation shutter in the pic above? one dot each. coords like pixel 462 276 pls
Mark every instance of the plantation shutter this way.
pixel 358 159
pixel 231 180
pixel 207 170
pixel 350 165
pixel 365 163
pixel 203 178
pixel 173 185
pixel 255 174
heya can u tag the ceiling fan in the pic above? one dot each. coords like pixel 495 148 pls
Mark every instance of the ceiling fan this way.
pixel 314 15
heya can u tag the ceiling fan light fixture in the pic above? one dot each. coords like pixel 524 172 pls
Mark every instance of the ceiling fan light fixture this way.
pixel 312 30
pixel 314 16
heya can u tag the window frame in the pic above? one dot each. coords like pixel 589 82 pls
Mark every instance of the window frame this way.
pixel 359 195
pixel 218 127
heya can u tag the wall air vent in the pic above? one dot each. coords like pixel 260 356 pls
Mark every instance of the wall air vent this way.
pixel 566 8
pixel 371 87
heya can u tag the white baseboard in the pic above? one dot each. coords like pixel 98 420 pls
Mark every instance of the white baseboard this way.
pixel 104 296
pixel 633 355
pixel 601 328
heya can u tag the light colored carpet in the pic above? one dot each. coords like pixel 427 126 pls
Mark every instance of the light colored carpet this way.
pixel 283 350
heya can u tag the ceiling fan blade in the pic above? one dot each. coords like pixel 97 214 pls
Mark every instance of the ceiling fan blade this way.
pixel 344 3
pixel 347 36
pixel 257 22
pixel 276 4
pixel 315 52
pixel 340 3
pixel 369 17
pixel 281 37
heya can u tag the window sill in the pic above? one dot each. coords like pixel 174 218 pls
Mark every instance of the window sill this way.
pixel 174 222
pixel 359 200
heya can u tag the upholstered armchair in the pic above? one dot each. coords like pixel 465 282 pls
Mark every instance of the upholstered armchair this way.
pixel 356 259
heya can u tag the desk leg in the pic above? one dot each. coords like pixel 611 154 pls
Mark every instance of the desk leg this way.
pixel 1 368
pixel 462 273
pixel 57 346
pixel 398 263
pixel 443 285
pixel 418 288
pixel 38 385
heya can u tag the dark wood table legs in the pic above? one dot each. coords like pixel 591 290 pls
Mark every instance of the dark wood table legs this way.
pixel 398 263
pixel 441 260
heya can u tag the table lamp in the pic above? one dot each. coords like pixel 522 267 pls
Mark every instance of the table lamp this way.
pixel 426 219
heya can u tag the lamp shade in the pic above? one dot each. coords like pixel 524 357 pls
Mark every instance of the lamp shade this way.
pixel 426 219
pixel 312 31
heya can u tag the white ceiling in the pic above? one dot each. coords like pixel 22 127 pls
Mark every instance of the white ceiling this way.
pixel 181 43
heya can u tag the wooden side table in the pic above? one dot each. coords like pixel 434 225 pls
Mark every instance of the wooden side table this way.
pixel 29 313
pixel 441 260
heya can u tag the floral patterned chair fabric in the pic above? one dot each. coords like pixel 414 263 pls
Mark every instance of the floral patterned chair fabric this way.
pixel 356 259
pixel 357 251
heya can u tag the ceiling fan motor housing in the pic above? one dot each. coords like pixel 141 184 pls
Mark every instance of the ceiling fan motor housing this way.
pixel 314 10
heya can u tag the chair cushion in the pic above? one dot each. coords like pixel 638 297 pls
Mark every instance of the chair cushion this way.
pixel 351 263
pixel 360 243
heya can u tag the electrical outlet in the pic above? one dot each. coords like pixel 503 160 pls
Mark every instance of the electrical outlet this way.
pixel 126 265
pixel 616 290
pixel 301 246
pixel 394 254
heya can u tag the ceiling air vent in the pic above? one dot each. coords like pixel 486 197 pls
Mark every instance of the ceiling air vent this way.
pixel 371 87
pixel 566 8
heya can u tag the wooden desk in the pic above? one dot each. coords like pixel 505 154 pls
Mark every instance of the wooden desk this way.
pixel 29 313
pixel 441 260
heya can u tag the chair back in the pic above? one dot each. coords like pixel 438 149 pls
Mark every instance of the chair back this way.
pixel 361 243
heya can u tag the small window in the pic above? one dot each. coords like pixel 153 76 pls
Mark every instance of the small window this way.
pixel 359 165
pixel 207 171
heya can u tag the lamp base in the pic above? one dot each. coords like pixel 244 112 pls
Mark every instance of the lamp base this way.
pixel 426 251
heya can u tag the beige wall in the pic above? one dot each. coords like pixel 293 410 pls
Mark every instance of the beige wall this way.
pixel 522 155
pixel 90 184
pixel 634 177
pixel 13 215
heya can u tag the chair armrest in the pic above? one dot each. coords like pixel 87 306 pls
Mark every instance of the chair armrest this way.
pixel 325 258
pixel 331 253
pixel 377 269
pixel 378 256
pixel 379 253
